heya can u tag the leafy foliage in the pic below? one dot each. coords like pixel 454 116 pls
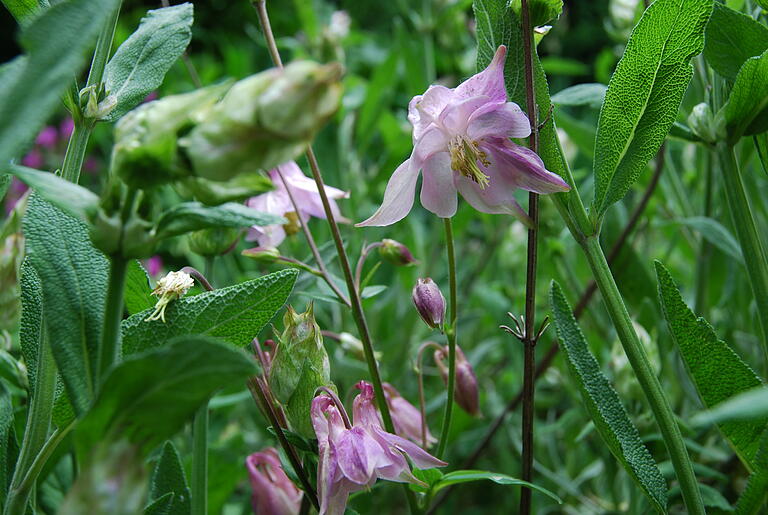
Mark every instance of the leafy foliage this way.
pixel 169 479
pixel 191 216
pixel 745 112
pixel 138 294
pixel 732 38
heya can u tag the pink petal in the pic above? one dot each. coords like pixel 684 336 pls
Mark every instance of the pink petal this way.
pixel 507 120
pixel 398 197
pixel 433 140
pixel 438 192
pixel 524 167
pixel 455 118
pixel 494 199
pixel 421 458
pixel 425 109
pixel 489 82
pixel 353 449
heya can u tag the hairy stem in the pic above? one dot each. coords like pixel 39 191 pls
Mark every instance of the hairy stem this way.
pixel 113 315
pixel 451 333
pixel 199 480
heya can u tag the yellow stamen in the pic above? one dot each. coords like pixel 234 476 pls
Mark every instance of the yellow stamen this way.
pixel 464 158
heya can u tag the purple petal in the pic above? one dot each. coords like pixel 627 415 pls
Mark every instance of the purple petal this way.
pixel 353 449
pixel 421 458
pixel 335 502
pixel 455 118
pixel 507 120
pixel 493 200
pixel 489 82
pixel 438 192
pixel 398 197
pixel 425 109
pixel 524 167
pixel 432 141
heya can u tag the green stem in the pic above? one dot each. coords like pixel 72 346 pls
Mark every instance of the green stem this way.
pixel 451 334
pixel 199 483
pixel 109 352
pixel 73 159
pixel 705 248
pixel 746 230
pixel 36 432
pixel 645 374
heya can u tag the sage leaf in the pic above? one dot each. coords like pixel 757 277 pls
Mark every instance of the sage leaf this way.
pixel 72 274
pixel 192 216
pixel 753 498
pixel 749 405
pixel 160 506
pixel 24 10
pixel 604 406
pixel 732 38
pixel 715 369
pixel 169 479
pixel 31 330
pixel 140 64
pixel 644 94
pixel 138 294
pixel 9 449
pixel 145 385
pixel 234 314
pixel 745 112
pixel 73 199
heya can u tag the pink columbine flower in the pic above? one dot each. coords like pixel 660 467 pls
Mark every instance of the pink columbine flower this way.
pixel 353 457
pixel 461 144
pixel 273 492
pixel 278 202
pixel 47 137
pixel 405 416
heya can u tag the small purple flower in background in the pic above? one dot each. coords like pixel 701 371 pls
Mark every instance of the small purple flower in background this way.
pixel 405 416
pixel 91 165
pixel 278 202
pixel 466 392
pixel 66 127
pixel 273 492
pixel 353 457
pixel 48 137
pixel 461 145
pixel 33 159
pixel 154 266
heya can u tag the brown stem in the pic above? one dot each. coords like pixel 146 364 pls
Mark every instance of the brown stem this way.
pixel 194 272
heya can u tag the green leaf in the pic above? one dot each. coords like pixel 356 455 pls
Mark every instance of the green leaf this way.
pixel 73 276
pixel 234 314
pixel 31 330
pixel 465 476
pixel 140 64
pixel 8 445
pixel 55 43
pixel 160 506
pixel 645 93
pixel 138 293
pixel 67 196
pixel 753 498
pixel 717 372
pixel 173 380
pixel 604 406
pixel 732 38
pixel 745 112
pixel 378 96
pixel 24 10
pixel 590 94
pixel 213 193
pixel 169 478
pixel 715 233
pixel 192 216
pixel 748 405
pixel 709 496
pixel 541 11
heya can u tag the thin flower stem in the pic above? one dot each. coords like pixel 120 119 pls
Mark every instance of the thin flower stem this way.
pixel 312 245
pixel 199 480
pixel 420 374
pixel 109 352
pixel 361 261
pixel 451 333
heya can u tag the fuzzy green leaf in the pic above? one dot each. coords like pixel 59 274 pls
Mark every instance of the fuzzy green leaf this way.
pixel 31 331
pixel 465 476
pixel 160 506
pixel 604 406
pixel 169 478
pixel 192 216
pixel 8 446
pixel 73 276
pixel 732 38
pixel 753 498
pixel 140 64
pixel 234 314
pixel 24 10
pixel 138 293
pixel 55 44
pixel 645 93
pixel 73 199
pixel 746 111
pixel 715 369
pixel 173 380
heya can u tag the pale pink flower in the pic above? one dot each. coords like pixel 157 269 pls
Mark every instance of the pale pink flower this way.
pixel 461 145
pixel 273 492
pixel 405 416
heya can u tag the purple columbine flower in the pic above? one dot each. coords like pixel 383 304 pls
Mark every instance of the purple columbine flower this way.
pixel 273 492
pixel 154 265
pixel 429 302
pixel 405 416
pixel 461 144
pixel 278 202
pixel 48 137
pixel 353 457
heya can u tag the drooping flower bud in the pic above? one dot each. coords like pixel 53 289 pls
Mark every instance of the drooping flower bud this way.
pixel 465 392
pixel 299 367
pixel 263 254
pixel 213 242
pixel 429 302
pixel 170 287
pixel 273 492
pixel 396 253
pixel 406 417
pixel 264 120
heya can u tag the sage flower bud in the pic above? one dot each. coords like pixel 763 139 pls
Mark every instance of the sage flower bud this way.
pixel 264 120
pixel 171 287
pixel 213 242
pixel 396 253
pixel 465 391
pixel 299 366
pixel 429 302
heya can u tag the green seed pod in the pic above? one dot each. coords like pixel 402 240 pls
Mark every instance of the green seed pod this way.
pixel 300 366
pixel 213 242
pixel 264 120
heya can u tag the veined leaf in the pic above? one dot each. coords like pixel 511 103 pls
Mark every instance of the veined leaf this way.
pixel 8 446
pixel 169 478
pixel 749 405
pixel 192 216
pixel 465 476
pixel 72 274
pixel 73 199
pixel 732 38
pixel 137 294
pixel 645 93
pixel 31 331
pixel 717 372
pixel 753 498
pixel 746 111
pixel 234 314
pixel 140 64
pixel 173 380
pixel 604 406
pixel 160 506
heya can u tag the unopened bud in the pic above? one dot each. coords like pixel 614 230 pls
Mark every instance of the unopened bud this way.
pixel 171 287
pixel 263 254
pixel 396 253
pixel 702 122
pixel 465 391
pixel 299 366
pixel 213 242
pixel 429 302
pixel 273 492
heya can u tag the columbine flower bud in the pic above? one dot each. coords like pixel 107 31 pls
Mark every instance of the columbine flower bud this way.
pixel 264 120
pixel 299 367
pixel 213 242
pixel 429 302
pixel 171 287
pixel 465 392
pixel 406 417
pixel 396 253
pixel 273 492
